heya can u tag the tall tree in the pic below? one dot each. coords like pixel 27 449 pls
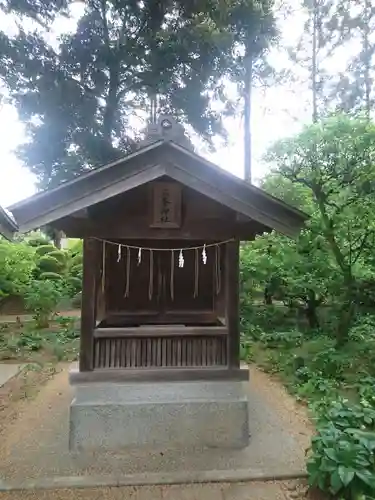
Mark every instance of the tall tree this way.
pixel 255 33
pixel 353 89
pixel 79 100
pixel 320 38
pixel 334 161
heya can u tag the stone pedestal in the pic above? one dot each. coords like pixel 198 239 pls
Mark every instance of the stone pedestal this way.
pixel 110 416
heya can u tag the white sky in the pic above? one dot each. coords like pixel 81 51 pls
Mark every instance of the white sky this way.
pixel 277 112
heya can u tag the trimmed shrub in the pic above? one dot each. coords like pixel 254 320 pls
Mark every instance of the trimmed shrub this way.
pixel 38 241
pixel 51 276
pixel 60 255
pixel 50 264
pixel 73 285
pixel 77 259
pixel 44 249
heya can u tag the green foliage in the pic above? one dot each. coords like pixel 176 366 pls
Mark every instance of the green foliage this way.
pixel 41 299
pixel 342 462
pixel 291 338
pixel 59 255
pixel 85 90
pixel 74 285
pixel 50 264
pixel 44 249
pixel 313 386
pixel 36 346
pixel 50 276
pixel 330 363
pixel 363 329
pixel 342 457
pixel 331 167
pixel 16 266
pixel 38 241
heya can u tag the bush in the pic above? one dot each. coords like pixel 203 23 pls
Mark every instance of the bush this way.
pixel 16 265
pixel 50 264
pixel 287 339
pixel 342 455
pixel 345 415
pixel 50 276
pixel 331 363
pixel 76 271
pixel 74 286
pixel 342 462
pixel 59 255
pixel 364 329
pixel 30 340
pixel 77 259
pixel 38 242
pixel 44 249
pixel 41 300
pixel 314 386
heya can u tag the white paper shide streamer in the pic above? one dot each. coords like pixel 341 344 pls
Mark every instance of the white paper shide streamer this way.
pixel 204 255
pixel 181 260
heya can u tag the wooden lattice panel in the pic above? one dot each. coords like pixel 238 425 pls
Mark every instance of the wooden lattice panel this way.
pixel 160 352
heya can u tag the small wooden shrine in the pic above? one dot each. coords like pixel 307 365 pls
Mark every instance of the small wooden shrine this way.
pixel 161 230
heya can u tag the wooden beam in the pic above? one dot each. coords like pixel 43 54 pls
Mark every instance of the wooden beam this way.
pixel 157 375
pixel 123 318
pixel 138 228
pixel 161 331
pixel 90 263
pixel 232 260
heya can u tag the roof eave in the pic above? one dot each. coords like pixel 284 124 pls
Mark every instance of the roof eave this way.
pixel 7 226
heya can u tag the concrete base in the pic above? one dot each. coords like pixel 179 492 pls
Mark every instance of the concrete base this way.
pixel 110 416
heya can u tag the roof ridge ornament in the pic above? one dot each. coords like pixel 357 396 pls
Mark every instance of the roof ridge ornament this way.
pixel 166 128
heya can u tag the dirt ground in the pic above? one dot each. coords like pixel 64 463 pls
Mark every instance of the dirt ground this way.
pixel 17 393
pixel 28 397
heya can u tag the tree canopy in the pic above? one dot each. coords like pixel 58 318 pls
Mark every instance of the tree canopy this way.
pixel 79 97
pixel 328 171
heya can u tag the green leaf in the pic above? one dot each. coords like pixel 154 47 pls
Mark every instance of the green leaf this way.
pixel 346 475
pixel 331 454
pixel 367 477
pixel 336 483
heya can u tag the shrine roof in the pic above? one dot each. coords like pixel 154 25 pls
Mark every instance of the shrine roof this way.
pixel 7 225
pixel 162 158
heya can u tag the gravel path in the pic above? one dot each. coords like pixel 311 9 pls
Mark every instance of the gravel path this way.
pixel 35 445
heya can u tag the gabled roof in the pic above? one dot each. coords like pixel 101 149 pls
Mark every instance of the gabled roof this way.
pixel 7 225
pixel 160 159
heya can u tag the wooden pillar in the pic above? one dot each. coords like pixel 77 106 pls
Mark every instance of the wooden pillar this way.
pixel 88 308
pixel 232 260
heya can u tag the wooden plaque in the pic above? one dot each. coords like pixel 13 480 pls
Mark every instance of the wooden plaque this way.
pixel 166 206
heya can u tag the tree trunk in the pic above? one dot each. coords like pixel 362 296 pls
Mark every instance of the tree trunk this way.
pixel 347 311
pixel 345 321
pixel 111 105
pixel 57 237
pixel 267 296
pixel 314 67
pixel 367 58
pixel 247 116
pixel 311 310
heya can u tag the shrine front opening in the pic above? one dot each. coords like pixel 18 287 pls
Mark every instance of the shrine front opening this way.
pixel 161 304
